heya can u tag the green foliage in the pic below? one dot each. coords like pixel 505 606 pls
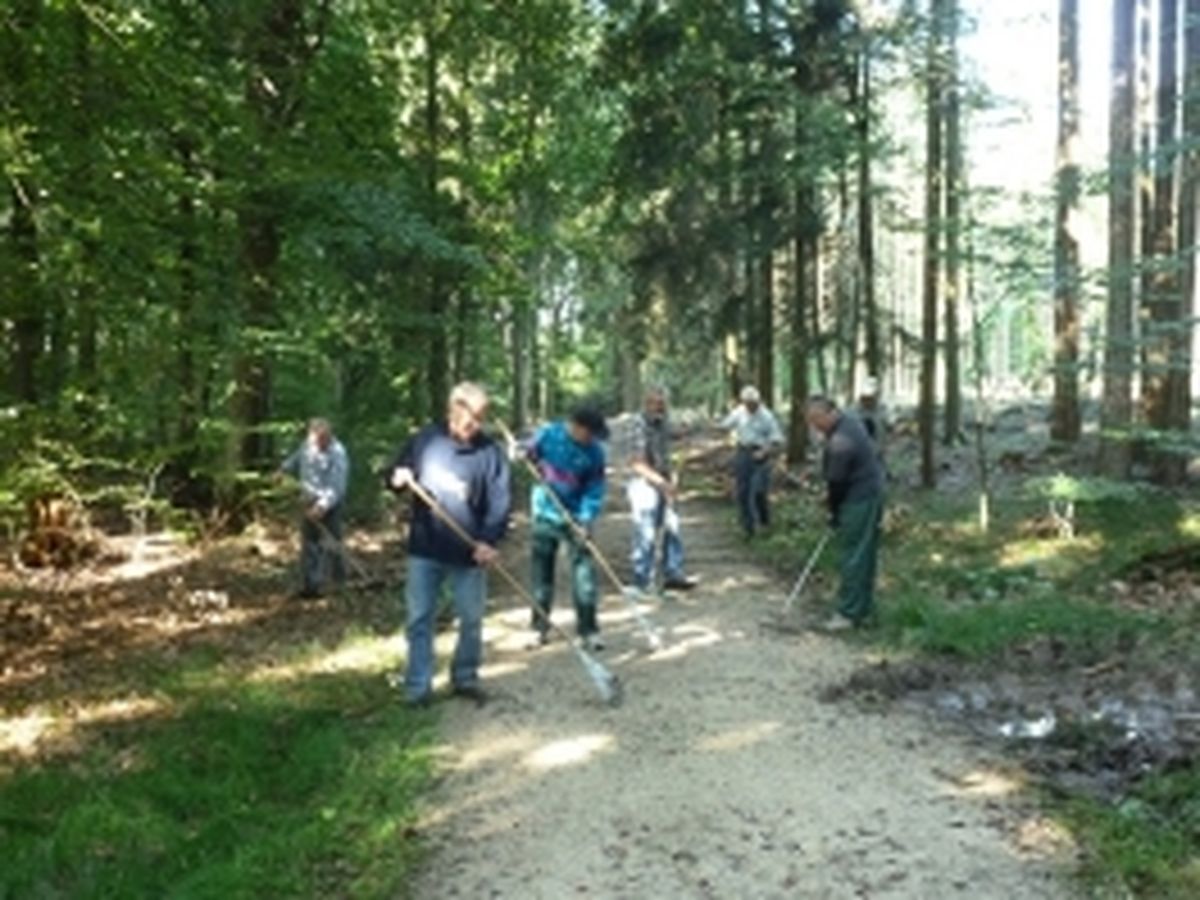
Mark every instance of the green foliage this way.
pixel 1088 489
pixel 1148 843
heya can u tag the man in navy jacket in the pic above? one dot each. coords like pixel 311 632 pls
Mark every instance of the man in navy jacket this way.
pixel 468 474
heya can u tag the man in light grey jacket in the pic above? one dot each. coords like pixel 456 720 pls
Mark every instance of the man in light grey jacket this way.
pixel 322 467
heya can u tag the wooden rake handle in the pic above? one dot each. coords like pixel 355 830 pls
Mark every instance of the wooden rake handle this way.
pixel 438 510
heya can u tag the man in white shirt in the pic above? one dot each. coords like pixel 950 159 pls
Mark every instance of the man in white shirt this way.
pixel 759 439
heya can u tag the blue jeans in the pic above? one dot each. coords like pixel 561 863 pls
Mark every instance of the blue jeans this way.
pixel 647 520
pixel 423 586
pixel 753 489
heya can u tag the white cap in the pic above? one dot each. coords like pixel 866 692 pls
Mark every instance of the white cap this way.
pixel 870 387
pixel 750 394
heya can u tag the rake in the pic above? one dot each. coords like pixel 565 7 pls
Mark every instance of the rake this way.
pixel 607 685
pixel 628 593
pixel 781 624
pixel 329 541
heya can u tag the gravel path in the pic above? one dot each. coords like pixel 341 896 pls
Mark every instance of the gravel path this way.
pixel 722 775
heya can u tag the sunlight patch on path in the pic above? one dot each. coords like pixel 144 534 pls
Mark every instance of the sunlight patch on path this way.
pixel 569 752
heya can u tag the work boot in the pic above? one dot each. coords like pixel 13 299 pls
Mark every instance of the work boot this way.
pixel 472 692
pixel 837 622
pixel 680 583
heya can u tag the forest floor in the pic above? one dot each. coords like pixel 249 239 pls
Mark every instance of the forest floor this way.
pixel 1024 709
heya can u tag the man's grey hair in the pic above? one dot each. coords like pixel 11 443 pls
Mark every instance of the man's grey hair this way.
pixel 469 394
pixel 821 403
pixel 658 390
pixel 319 425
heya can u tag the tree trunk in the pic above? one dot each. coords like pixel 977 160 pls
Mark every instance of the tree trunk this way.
pixel 83 89
pixel 261 244
pixel 437 363
pixel 21 285
pixel 1066 424
pixel 934 188
pixel 187 324
pixel 278 47
pixel 1179 391
pixel 953 188
pixel 803 259
pixel 1163 300
pixel 766 327
pixel 866 221
pixel 1117 408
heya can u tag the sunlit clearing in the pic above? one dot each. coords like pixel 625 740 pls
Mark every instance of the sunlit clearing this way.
pixel 498 747
pixel 986 783
pixel 23 734
pixel 683 640
pixel 1024 552
pixel 737 738
pixel 368 654
pixel 569 752
pixel 1044 837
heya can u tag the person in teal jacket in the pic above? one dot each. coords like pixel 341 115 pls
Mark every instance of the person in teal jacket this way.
pixel 571 458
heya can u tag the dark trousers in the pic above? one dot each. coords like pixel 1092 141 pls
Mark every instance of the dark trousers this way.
pixel 753 479
pixel 316 560
pixel 546 538
pixel 858 532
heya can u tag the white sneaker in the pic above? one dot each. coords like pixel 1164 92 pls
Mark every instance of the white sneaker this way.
pixel 837 622
pixel 594 642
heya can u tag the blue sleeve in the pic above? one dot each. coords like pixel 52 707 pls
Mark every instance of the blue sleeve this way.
pixel 499 499
pixel 533 447
pixel 594 489
pixel 291 465
pixel 405 458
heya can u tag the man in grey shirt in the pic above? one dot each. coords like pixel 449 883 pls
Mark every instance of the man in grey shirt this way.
pixel 854 476
pixel 322 467
pixel 759 439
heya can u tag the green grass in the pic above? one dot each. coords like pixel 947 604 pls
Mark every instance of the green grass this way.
pixel 955 593
pixel 987 629
pixel 1146 845
pixel 298 788
pixel 951 590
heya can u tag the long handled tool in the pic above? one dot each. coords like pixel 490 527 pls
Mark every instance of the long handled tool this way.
pixel 781 624
pixel 331 542
pixel 607 685
pixel 628 593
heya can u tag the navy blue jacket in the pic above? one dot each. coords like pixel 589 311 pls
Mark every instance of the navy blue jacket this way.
pixel 470 481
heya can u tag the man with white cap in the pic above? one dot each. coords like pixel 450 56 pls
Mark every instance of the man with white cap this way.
pixel 759 439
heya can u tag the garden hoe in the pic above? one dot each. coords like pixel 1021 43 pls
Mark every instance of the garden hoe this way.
pixel 783 621
pixel 628 593
pixel 607 685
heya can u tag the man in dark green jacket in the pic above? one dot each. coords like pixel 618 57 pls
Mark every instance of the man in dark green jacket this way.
pixel 854 475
